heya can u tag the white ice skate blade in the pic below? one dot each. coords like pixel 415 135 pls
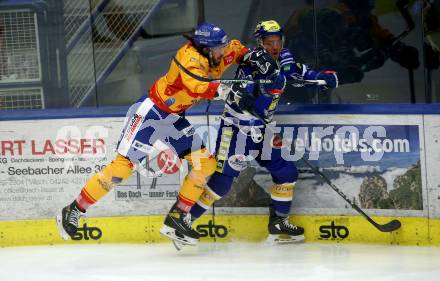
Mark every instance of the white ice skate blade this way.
pixel 171 234
pixel 178 245
pixel 284 239
pixel 63 233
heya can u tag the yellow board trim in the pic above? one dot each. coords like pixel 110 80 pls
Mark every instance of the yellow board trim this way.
pixel 327 229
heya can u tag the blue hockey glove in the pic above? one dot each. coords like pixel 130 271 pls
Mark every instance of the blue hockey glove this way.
pixel 330 77
pixel 279 82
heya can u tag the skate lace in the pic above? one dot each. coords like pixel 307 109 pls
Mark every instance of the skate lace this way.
pixel 74 217
pixel 288 225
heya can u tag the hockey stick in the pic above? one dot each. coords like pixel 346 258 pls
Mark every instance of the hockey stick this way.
pixel 294 83
pixel 402 6
pixel 301 83
pixel 388 227
pixel 224 81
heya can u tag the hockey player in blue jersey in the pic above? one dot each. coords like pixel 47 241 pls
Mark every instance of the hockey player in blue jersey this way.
pixel 248 108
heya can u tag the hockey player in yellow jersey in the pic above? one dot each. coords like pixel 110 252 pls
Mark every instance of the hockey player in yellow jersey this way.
pixel 158 119
pixel 176 91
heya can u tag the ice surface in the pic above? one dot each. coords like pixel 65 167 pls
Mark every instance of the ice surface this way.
pixel 220 261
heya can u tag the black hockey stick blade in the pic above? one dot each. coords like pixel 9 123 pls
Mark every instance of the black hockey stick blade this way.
pixel 389 227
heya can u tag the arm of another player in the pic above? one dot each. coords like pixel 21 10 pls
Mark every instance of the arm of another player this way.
pixel 297 71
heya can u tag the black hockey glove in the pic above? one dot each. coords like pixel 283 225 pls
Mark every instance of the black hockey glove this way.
pixel 261 61
pixel 405 55
pixel 240 96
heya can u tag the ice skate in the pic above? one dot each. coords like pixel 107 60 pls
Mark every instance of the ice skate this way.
pixel 281 231
pixel 178 245
pixel 67 221
pixel 178 228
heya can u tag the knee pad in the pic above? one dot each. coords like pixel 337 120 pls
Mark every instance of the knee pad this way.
pixel 123 168
pixel 118 170
pixel 101 183
pixel 189 193
pixel 282 192
pixel 203 165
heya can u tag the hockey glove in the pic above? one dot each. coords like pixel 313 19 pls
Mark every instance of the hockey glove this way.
pixel 405 55
pixel 240 96
pixel 278 84
pixel 261 61
pixel 222 92
pixel 330 77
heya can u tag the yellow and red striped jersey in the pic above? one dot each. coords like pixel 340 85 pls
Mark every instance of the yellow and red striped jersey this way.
pixel 176 91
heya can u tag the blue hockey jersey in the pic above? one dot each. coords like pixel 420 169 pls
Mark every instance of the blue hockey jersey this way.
pixel 266 97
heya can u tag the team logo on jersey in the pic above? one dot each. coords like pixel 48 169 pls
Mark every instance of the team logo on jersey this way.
pixel 238 162
pixel 135 122
pixel 229 58
pixel 264 67
pixel 284 54
pixel 189 131
pixel 142 147
pixel 183 107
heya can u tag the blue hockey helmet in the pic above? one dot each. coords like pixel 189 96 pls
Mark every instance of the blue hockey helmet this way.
pixel 209 35
pixel 266 28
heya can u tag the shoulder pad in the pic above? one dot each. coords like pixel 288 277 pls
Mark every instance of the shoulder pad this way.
pixel 192 59
pixel 285 53
pixel 286 57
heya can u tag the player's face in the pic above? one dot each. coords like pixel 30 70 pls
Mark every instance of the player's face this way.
pixel 273 45
pixel 217 54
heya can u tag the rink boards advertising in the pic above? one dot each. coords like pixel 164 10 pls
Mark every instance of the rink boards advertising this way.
pixel 386 164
